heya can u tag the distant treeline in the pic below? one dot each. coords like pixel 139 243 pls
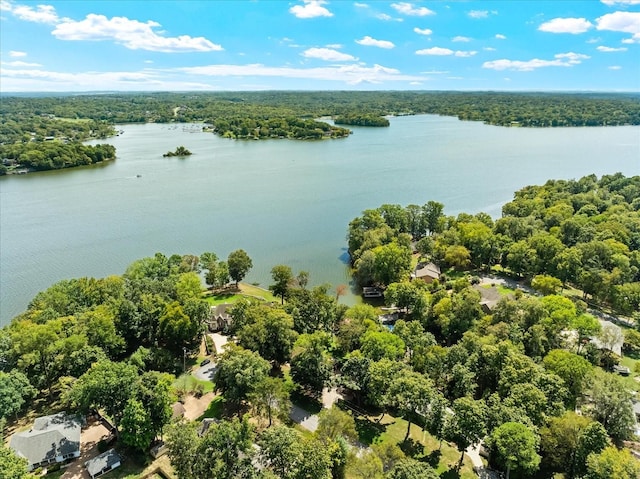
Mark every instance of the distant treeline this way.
pixel 523 109
pixel 52 155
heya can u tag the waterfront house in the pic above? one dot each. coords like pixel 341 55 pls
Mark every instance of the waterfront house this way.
pixel 219 317
pixel 52 439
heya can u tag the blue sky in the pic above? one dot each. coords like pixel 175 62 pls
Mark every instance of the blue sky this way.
pixel 319 45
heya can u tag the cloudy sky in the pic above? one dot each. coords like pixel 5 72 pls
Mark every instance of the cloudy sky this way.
pixel 319 45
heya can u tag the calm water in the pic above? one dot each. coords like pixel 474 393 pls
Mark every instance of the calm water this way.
pixel 282 201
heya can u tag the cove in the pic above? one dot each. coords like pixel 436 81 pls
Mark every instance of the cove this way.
pixel 282 201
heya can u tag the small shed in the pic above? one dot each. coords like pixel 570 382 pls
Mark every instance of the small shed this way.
pixel 103 463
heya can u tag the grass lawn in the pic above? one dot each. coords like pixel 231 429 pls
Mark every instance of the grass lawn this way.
pixel 215 409
pixel 189 383
pixel 630 380
pixel 421 445
pixel 500 288
pixel 246 291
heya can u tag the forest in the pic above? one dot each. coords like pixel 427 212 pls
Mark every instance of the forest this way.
pixel 531 378
pixel 281 115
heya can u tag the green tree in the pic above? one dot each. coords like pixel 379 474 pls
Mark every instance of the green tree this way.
pixel 12 465
pixel 546 284
pixel 412 469
pixel 15 389
pixel 271 335
pixel 108 386
pixel 182 443
pixel 271 396
pixel 225 451
pixel 136 427
pixel 239 264
pixel 239 372
pixel 466 426
pixel 516 446
pixel 282 281
pixel 334 423
pixel 311 362
pixel 612 462
pixel 610 403
pixel 376 345
pixel 411 394
pixel 573 369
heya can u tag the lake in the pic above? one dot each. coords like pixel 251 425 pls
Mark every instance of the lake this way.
pixel 284 202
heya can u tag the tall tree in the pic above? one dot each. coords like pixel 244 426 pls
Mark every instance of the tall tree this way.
pixel 282 281
pixel 239 372
pixel 516 446
pixel 136 427
pixel 467 425
pixel 271 397
pixel 612 462
pixel 239 264
pixel 411 394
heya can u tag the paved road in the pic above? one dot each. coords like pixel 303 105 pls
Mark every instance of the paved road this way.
pixel 206 372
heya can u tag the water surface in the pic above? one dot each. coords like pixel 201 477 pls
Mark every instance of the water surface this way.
pixel 282 201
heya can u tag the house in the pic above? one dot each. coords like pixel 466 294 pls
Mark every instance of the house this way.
pixel 219 317
pixel 52 439
pixel 427 272
pixel 103 463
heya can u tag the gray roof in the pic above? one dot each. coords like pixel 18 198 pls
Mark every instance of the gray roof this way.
pixel 429 270
pixel 50 437
pixel 103 462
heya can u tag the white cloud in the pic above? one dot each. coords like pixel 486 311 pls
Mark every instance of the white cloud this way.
pixel 334 45
pixel 17 54
pixel 18 63
pixel 408 9
pixel 148 61
pixel 41 80
pixel 572 58
pixel 438 51
pixel 478 13
pixel 351 74
pixel 361 5
pixel 423 31
pixel 615 67
pixel 594 40
pixel 489 49
pixel 613 3
pixel 627 22
pixel 460 38
pixel 602 48
pixel 561 60
pixel 327 54
pixel 566 25
pixel 384 16
pixel 372 42
pixel 39 14
pixel 131 34
pixel 5 6
pixel 311 9
pixel 500 36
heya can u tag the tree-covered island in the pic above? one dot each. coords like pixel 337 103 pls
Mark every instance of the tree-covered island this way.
pixel 179 151
pixel 500 348
pixel 361 120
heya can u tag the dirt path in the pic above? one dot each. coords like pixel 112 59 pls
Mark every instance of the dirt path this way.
pixel 89 439
pixel 195 407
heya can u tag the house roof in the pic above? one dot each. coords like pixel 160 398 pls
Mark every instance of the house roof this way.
pixel 50 437
pixel 220 310
pixel 103 462
pixel 429 270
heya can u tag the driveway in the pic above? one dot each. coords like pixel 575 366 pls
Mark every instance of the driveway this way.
pixel 304 418
pixel 89 438
pixel 206 372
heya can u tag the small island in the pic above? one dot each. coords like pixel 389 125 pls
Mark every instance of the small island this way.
pixel 180 151
pixel 361 120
